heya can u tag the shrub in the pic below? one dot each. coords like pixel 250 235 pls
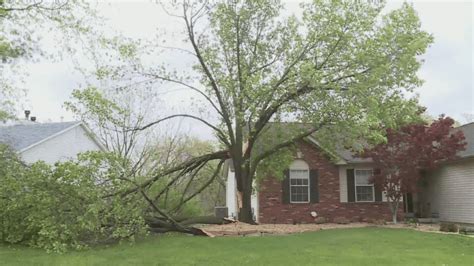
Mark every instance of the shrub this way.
pixel 411 220
pixel 341 220
pixel 320 220
pixel 466 230
pixel 377 221
pixel 449 227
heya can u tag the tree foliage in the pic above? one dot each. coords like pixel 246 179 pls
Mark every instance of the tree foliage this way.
pixel 411 151
pixel 344 66
pixel 63 206
pixel 23 25
pixel 144 154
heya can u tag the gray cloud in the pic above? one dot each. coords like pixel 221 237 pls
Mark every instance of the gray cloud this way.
pixel 447 70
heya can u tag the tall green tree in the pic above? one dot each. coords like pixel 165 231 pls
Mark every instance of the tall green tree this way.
pixel 342 66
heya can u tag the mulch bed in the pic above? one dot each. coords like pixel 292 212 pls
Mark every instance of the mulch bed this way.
pixel 243 229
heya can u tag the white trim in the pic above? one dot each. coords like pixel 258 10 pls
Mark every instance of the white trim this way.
pixel 50 137
pixel 92 136
pixel 355 185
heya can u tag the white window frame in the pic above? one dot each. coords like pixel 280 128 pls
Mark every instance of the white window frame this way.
pixel 306 168
pixel 364 185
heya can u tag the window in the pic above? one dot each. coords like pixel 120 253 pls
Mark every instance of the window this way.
pixel 364 189
pixel 299 182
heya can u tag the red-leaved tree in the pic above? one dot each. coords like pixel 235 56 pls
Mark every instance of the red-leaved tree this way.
pixel 408 152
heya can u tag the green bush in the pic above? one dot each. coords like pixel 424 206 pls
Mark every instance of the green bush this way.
pixel 466 230
pixel 63 207
pixel 449 227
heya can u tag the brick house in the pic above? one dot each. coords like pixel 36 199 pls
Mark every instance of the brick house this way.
pixel 317 182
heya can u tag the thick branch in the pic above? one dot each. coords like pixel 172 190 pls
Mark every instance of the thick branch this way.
pixel 220 134
pixel 189 87
pixel 220 155
pixel 204 186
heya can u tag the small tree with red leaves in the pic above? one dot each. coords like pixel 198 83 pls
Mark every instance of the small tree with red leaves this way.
pixel 409 152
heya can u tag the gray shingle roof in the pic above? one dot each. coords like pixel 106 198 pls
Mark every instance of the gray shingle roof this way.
pixel 468 130
pixel 20 137
pixel 350 157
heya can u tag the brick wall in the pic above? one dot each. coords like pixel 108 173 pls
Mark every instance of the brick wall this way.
pixel 272 210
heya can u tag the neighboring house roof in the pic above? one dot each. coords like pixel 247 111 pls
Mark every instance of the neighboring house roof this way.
pixel 24 136
pixel 468 130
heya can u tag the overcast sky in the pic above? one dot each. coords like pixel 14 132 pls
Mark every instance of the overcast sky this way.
pixel 448 68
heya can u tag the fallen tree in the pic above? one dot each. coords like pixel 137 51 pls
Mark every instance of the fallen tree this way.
pixel 69 206
pixel 153 170
pixel 165 222
pixel 161 225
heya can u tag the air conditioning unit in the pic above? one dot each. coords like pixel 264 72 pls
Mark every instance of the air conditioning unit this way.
pixel 221 211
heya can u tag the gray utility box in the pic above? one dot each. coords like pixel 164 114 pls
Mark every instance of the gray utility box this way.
pixel 221 211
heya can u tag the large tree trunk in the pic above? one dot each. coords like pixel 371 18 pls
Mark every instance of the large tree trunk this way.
pixel 245 211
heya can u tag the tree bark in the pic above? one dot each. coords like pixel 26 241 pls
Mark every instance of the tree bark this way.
pixel 394 209
pixel 245 211
pixel 162 225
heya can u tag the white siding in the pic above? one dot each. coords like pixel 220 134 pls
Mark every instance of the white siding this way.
pixel 255 206
pixel 61 147
pixel 231 197
pixel 231 194
pixel 450 192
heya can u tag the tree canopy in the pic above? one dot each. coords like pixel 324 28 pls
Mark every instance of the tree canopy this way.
pixel 342 66
pixel 411 151
pixel 22 26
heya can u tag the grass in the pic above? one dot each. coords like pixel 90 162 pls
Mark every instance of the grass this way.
pixel 361 246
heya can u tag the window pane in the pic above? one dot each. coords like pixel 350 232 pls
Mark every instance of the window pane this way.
pixel 362 177
pixel 294 190
pixel 299 174
pixel 305 197
pixel 299 192
pixel 365 193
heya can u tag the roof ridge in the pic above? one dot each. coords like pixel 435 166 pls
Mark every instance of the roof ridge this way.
pixel 22 136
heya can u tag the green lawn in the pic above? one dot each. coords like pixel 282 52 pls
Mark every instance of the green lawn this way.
pixel 362 246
